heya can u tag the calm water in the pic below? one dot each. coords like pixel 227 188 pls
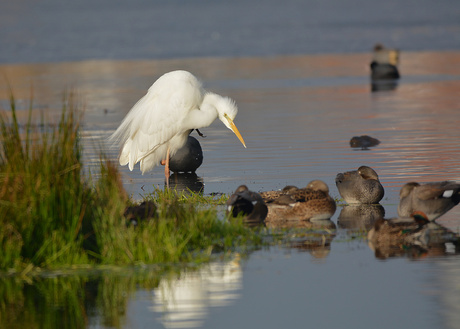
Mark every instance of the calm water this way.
pixel 55 31
pixel 297 115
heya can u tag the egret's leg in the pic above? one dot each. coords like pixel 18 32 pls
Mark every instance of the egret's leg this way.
pixel 167 168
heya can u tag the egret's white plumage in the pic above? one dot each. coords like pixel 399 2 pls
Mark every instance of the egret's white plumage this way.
pixel 173 106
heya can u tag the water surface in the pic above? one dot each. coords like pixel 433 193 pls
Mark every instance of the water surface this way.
pixel 56 31
pixel 297 115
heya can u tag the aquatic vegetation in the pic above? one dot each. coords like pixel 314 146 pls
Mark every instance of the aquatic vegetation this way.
pixel 187 197
pixel 43 198
pixel 53 215
pixel 73 301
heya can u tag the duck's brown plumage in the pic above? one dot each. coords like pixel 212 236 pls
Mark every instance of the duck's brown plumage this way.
pixel 270 196
pixel 311 202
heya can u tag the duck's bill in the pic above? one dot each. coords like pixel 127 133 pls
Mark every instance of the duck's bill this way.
pixel 235 131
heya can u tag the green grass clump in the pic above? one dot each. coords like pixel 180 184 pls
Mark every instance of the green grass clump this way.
pixel 179 233
pixel 51 215
pixel 42 198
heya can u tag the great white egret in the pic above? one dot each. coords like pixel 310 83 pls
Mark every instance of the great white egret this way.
pixel 160 122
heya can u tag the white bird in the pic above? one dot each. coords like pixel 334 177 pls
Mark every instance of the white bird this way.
pixel 159 123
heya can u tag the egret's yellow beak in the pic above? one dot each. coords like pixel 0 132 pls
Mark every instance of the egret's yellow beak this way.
pixel 234 129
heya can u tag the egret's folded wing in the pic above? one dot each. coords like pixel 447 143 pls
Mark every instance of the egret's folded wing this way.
pixel 156 118
pixel 154 121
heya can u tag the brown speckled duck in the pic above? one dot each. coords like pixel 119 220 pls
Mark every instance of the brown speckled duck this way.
pixel 310 203
pixel 270 196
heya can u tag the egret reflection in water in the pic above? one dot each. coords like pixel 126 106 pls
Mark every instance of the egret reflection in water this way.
pixel 184 300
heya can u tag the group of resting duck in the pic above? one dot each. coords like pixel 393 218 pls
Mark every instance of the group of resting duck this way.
pixel 419 206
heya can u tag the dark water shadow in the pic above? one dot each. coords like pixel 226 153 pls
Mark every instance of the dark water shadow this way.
pixel 186 182
pixel 383 85
pixel 360 217
pixel 312 236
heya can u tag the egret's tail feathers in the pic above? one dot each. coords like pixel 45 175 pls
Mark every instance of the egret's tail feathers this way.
pixel 131 154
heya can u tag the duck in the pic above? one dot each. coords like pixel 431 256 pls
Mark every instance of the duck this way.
pixel 141 212
pixel 310 203
pixel 270 196
pixel 360 186
pixel 384 64
pixel 363 142
pixel 383 71
pixel 188 158
pixel 249 203
pixel 434 199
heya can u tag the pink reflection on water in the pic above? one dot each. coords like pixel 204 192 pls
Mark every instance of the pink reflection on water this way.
pixel 297 115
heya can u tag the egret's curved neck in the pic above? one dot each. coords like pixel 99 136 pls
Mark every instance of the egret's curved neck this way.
pixel 204 115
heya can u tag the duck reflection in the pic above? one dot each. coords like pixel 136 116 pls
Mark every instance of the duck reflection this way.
pixel 360 216
pixel 312 236
pixel 185 299
pixel 185 182
pixel 413 237
pixel 317 224
pixel 318 248
pixel 383 85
